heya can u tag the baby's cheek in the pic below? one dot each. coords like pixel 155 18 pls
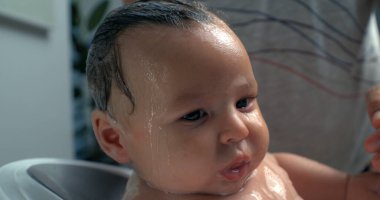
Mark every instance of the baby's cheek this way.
pixel 258 131
pixel 256 119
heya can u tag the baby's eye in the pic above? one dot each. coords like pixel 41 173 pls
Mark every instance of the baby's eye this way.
pixel 243 103
pixel 195 115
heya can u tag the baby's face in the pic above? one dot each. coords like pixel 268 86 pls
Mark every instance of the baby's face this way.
pixel 196 125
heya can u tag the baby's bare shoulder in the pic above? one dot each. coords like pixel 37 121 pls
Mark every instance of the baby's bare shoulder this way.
pixel 270 159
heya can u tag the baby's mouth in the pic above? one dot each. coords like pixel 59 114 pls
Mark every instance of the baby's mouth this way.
pixel 236 170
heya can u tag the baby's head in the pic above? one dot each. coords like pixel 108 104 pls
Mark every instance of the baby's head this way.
pixel 176 98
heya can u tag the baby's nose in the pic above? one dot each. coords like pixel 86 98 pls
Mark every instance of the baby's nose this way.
pixel 233 129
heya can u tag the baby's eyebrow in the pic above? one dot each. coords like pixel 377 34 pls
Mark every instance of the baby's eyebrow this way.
pixel 188 97
pixel 184 102
pixel 193 97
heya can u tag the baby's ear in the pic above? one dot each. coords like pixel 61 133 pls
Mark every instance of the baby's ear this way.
pixel 109 136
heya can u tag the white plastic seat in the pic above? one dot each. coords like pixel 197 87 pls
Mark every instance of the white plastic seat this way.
pixel 57 179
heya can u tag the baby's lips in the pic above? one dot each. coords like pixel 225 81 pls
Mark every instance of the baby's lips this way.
pixel 236 171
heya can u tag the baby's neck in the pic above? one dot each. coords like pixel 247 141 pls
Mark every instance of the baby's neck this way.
pixel 269 181
pixel 137 189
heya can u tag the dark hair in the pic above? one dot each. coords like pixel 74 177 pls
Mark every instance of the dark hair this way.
pixel 103 61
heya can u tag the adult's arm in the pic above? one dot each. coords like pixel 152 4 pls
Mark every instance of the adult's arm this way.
pixel 372 144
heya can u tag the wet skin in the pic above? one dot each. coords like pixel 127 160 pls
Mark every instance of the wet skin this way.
pixel 267 182
pixel 196 127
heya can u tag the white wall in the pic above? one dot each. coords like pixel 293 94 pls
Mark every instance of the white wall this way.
pixel 35 93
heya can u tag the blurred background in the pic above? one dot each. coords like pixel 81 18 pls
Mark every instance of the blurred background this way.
pixel 44 104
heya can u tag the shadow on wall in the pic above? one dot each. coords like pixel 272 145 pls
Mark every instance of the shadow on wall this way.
pixel 18 26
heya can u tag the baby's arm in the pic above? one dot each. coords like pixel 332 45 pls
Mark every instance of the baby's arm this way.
pixel 314 180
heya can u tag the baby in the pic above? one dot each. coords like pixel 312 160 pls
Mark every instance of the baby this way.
pixel 176 98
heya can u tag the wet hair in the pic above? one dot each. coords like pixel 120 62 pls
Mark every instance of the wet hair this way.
pixel 103 66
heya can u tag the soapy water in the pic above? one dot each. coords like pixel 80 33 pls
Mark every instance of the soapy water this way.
pixel 268 185
pixel 256 195
pixel 150 118
pixel 150 115
pixel 152 78
pixel 274 184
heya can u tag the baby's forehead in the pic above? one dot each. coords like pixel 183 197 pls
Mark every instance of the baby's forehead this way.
pixel 138 41
pixel 146 45
pixel 152 47
pixel 143 46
